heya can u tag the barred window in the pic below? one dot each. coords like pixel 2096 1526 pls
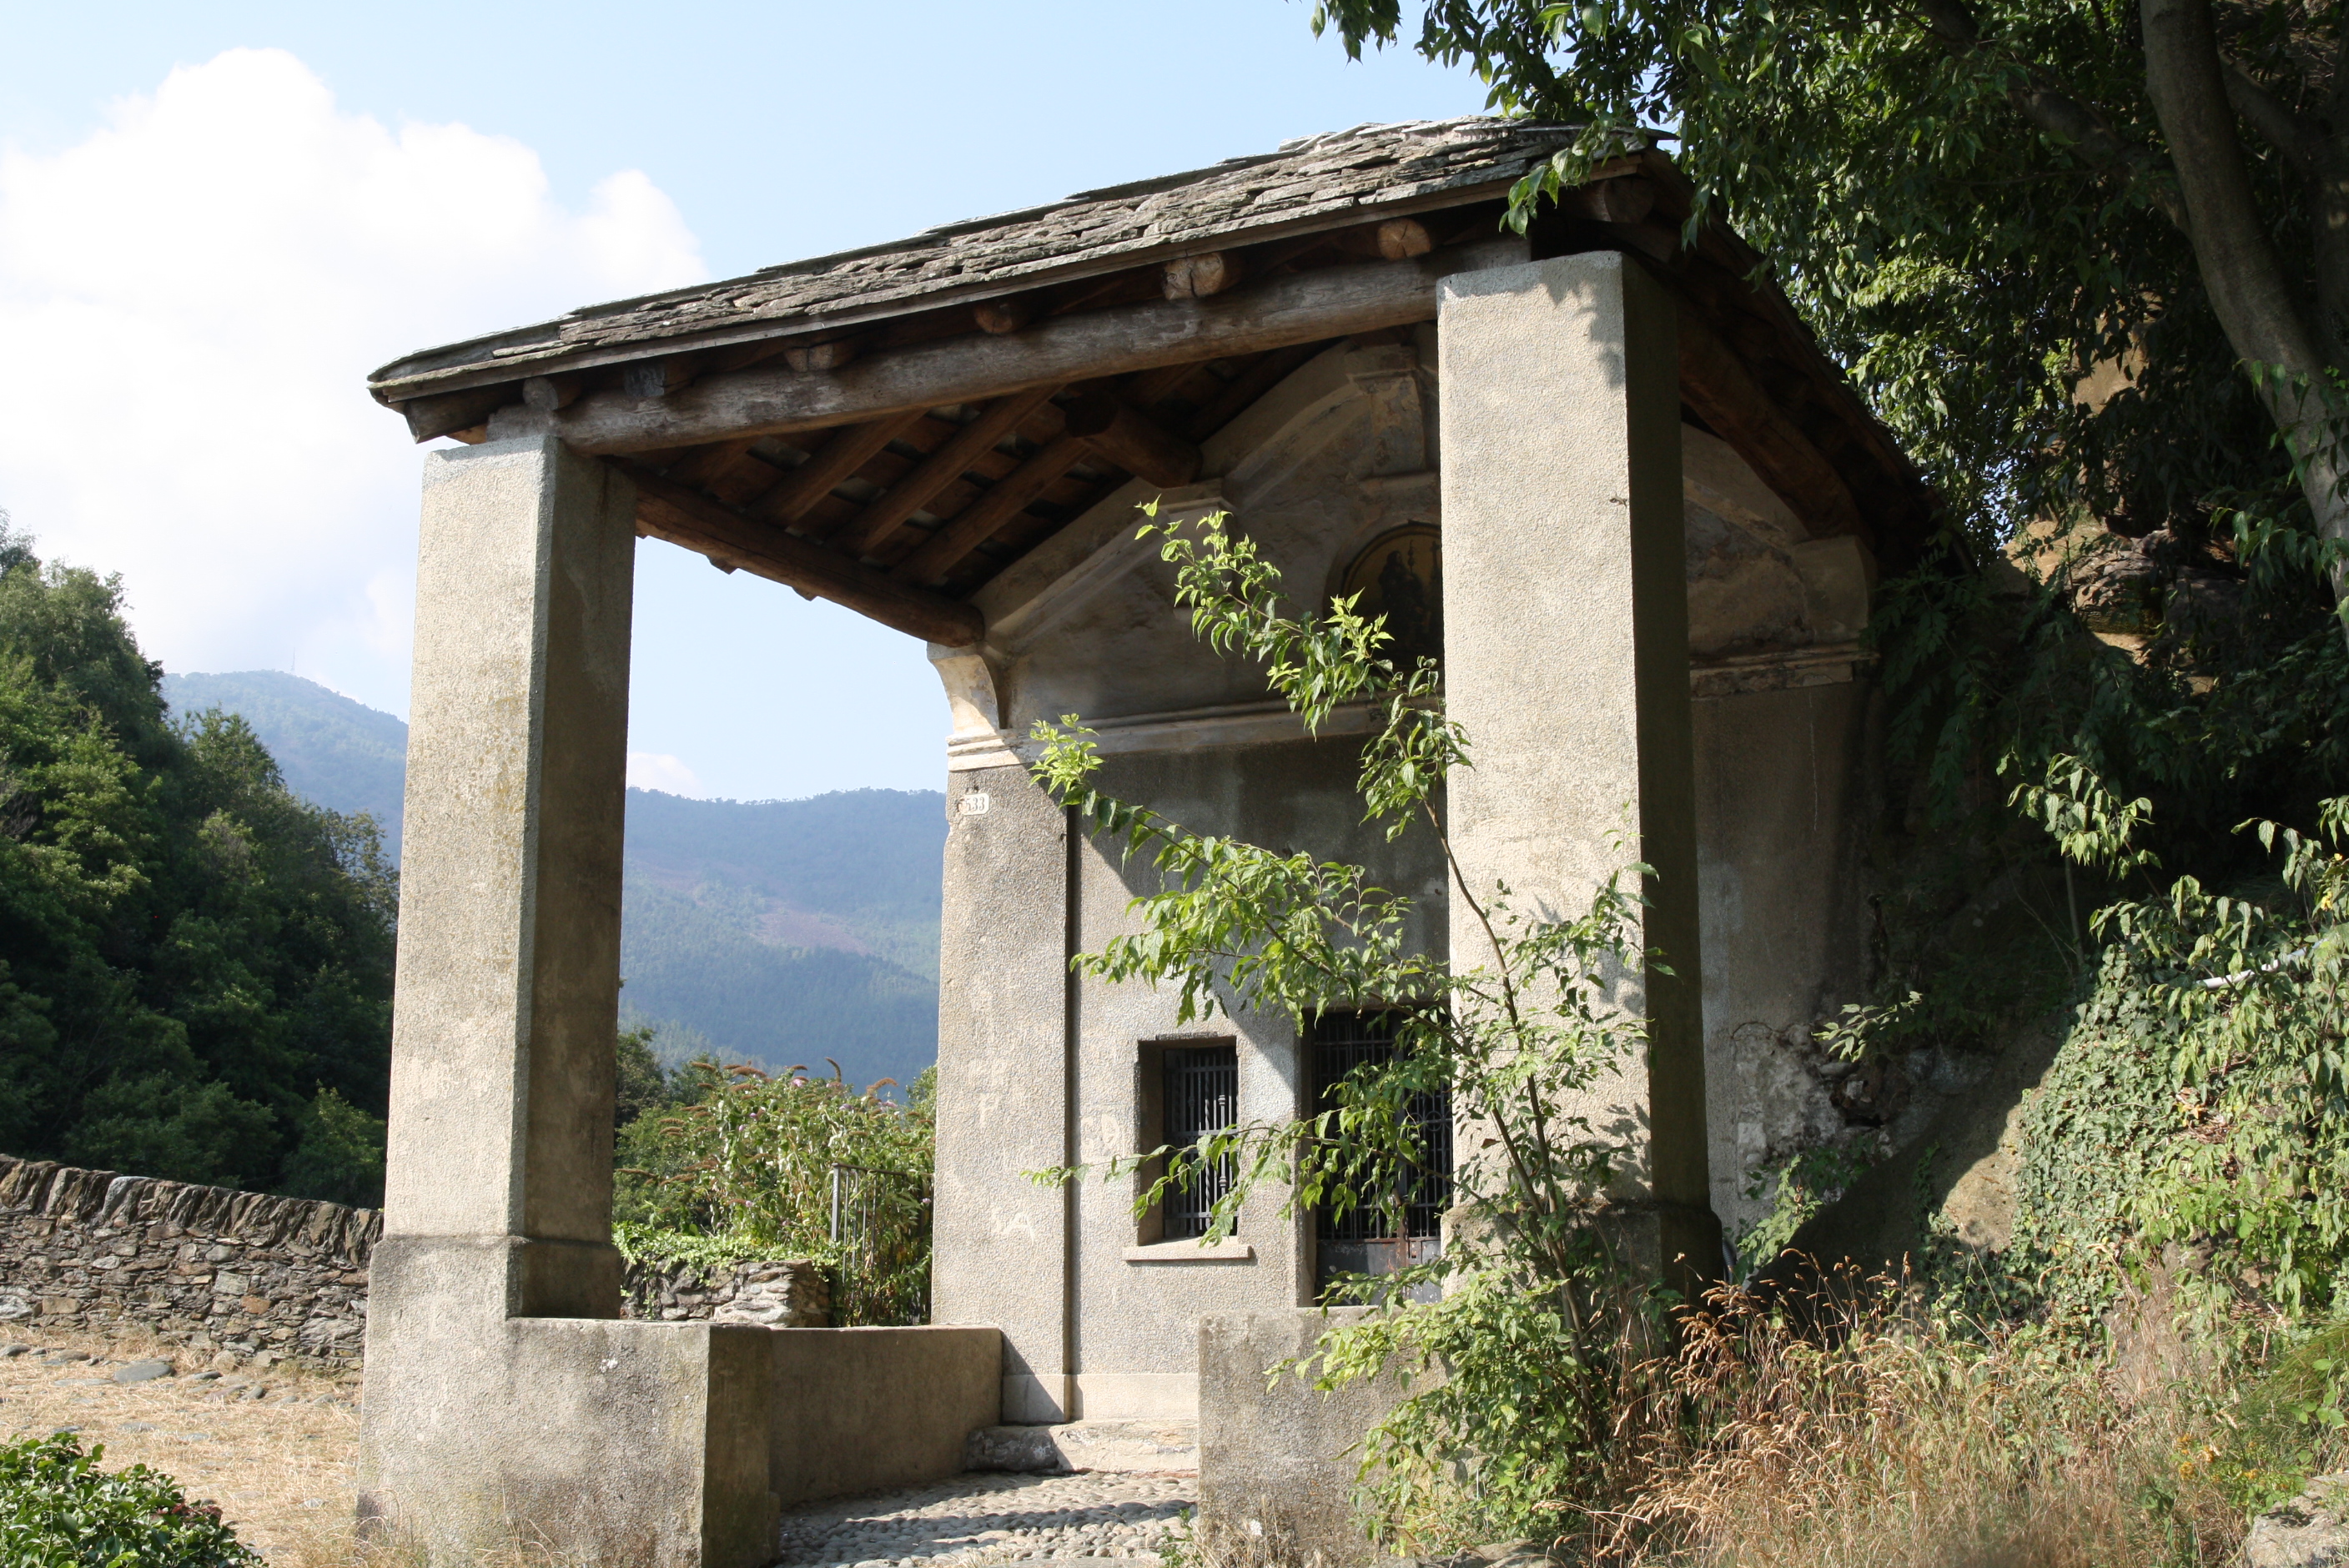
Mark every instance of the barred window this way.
pixel 1375 1237
pixel 1201 1098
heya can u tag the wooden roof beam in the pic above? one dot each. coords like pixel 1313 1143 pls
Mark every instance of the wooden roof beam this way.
pixel 1725 394
pixel 794 496
pixel 1394 240
pixel 1301 307
pixel 1125 437
pixel 975 524
pixel 682 515
pixel 873 527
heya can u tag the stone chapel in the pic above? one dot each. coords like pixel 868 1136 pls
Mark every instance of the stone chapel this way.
pixel 1598 467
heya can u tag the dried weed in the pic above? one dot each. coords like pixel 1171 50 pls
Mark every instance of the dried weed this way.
pixel 281 1469
pixel 1874 1434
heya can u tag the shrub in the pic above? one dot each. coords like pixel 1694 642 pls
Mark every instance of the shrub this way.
pixel 58 1509
pixel 747 1165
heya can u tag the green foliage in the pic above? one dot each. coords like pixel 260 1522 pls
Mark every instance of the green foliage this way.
pixel 1799 1186
pixel 743 1164
pixel 2288 1424
pixel 337 1153
pixel 2200 1106
pixel 640 1083
pixel 2091 1136
pixel 2259 1164
pixel 189 953
pixel 1533 1325
pixel 58 1509
pixel 1970 267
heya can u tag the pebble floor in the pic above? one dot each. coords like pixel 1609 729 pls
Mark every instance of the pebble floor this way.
pixel 982 1517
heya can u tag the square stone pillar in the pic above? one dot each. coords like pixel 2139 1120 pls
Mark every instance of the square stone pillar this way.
pixel 1566 659
pixel 508 997
pixel 506 1406
pixel 1001 1242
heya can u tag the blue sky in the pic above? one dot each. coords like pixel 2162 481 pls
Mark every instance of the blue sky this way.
pixel 214 220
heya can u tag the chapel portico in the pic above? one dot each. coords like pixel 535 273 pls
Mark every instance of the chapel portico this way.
pixel 1599 465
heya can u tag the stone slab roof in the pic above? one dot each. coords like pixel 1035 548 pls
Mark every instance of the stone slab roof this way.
pixel 1313 183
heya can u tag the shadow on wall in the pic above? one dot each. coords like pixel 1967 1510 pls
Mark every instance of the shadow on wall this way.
pixel 1963 1171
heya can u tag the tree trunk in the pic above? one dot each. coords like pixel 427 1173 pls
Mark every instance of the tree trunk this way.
pixel 2236 254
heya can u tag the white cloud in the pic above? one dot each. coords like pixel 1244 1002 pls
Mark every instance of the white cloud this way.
pixel 192 299
pixel 659 770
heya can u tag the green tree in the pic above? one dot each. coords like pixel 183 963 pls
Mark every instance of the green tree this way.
pixel 191 959
pixel 640 1082
pixel 1980 203
pixel 337 1153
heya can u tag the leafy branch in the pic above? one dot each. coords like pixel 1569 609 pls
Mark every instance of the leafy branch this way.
pixel 1520 1044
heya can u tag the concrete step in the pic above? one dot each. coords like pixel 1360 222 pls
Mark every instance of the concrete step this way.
pixel 1164 1447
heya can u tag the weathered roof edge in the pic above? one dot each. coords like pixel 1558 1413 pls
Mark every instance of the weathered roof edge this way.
pixel 540 347
pixel 474 373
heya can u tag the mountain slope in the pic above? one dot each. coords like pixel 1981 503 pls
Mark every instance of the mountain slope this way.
pixel 340 754
pixel 780 932
pixel 688 963
pixel 865 862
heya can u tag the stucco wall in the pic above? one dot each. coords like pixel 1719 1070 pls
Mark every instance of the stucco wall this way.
pixel 1038 1070
pixel 1785 792
pixel 1277 1458
pixel 857 1409
pixel 1136 1319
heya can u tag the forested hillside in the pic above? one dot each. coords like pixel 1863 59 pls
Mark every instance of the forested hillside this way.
pixel 195 962
pixel 784 932
pixel 342 754
pixel 774 932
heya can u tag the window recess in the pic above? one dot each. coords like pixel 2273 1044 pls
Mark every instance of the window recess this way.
pixel 1373 1237
pixel 1190 1091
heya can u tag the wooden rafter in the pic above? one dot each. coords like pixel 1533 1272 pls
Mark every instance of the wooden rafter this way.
pixel 1242 391
pixel 1124 437
pixel 872 527
pixel 683 515
pixel 975 523
pixel 705 464
pixel 792 496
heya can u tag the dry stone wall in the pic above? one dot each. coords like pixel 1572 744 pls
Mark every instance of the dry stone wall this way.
pixel 215 1269
pixel 207 1267
pixel 780 1295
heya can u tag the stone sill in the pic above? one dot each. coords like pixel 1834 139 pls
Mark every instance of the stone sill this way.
pixel 1191 1251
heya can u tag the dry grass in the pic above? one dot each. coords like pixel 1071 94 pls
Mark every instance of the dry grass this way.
pixel 281 1469
pixel 1886 1440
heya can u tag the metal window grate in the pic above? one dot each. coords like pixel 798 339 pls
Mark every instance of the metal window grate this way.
pixel 1340 1043
pixel 1202 1098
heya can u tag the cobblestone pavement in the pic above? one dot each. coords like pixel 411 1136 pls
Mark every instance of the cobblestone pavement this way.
pixel 980 1518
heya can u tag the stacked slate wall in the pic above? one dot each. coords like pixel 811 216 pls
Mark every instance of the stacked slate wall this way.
pixel 207 1267
pixel 780 1295
pixel 215 1269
